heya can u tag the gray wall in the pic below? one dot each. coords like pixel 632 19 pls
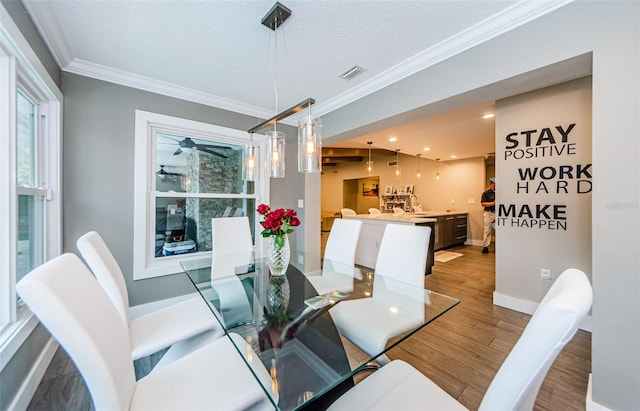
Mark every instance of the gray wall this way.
pixel 16 370
pixel 522 248
pixel 609 34
pixel 99 162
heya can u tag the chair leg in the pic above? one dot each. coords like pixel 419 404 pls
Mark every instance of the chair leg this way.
pixel 382 360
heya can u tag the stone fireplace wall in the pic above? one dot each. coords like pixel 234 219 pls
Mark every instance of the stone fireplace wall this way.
pixel 207 173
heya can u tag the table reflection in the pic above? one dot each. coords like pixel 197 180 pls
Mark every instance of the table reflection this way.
pixel 288 325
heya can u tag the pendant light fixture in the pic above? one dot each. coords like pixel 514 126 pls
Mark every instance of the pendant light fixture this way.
pixel 309 134
pixel 250 160
pixel 397 175
pixel 276 153
pixel 310 144
pixel 437 169
pixel 369 163
pixel 418 173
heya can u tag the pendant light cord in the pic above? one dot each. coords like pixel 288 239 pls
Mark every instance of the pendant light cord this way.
pixel 275 69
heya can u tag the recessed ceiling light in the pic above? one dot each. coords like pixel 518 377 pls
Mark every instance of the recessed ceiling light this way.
pixel 393 139
pixel 454 156
pixel 489 115
pixel 426 148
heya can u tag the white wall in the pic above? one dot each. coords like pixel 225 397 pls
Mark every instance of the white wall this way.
pixel 540 240
pixel 580 38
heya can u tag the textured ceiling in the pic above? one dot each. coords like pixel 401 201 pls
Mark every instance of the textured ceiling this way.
pixel 218 52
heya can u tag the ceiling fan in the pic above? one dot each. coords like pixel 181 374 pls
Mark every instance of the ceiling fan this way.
pixel 187 145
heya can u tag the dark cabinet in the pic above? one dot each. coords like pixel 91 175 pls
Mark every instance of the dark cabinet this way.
pixel 460 229
pixel 450 229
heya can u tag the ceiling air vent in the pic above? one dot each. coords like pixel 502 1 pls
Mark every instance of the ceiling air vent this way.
pixel 393 163
pixel 352 72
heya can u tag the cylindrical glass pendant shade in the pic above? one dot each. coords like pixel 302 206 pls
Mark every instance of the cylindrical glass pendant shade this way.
pixel 276 153
pixel 310 145
pixel 250 162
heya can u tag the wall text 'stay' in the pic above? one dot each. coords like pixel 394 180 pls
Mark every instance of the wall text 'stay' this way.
pixel 543 143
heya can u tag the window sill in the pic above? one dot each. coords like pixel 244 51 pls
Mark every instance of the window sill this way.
pixel 14 335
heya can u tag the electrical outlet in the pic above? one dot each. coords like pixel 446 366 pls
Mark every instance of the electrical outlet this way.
pixel 545 274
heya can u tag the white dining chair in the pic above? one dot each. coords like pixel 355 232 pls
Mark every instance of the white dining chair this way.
pixel 231 235
pixel 402 258
pixel 159 329
pixel 398 211
pixel 73 307
pixel 338 268
pixel 231 247
pixel 374 211
pixel 399 386
pixel 343 241
pixel 347 212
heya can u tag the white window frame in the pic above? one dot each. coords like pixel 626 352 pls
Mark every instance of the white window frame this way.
pixel 21 68
pixel 145 264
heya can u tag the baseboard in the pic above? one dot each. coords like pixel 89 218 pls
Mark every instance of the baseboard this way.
pixel 593 406
pixel 29 386
pixel 528 307
pixel 141 309
pixel 365 262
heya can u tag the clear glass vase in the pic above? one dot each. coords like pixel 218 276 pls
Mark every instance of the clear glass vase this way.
pixel 278 294
pixel 278 254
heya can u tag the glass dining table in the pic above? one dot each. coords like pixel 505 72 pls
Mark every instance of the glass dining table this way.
pixel 283 327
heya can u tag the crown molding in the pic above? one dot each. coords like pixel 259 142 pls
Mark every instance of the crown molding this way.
pixel 50 30
pixel 520 13
pixel 124 78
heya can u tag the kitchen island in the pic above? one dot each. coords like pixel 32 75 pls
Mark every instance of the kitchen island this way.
pixel 371 234
pixel 451 227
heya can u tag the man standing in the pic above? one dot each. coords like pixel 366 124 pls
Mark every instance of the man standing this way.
pixel 488 201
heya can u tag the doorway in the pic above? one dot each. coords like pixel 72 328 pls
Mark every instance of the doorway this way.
pixel 361 194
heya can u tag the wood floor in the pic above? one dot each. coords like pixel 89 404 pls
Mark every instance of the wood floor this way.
pixel 461 351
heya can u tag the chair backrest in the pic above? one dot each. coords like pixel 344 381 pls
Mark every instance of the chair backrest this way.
pixel 403 253
pixel 398 211
pixel 343 241
pixel 227 211
pixel 107 271
pixel 417 208
pixel 374 211
pixel 230 235
pixel 70 303
pixel 346 212
pixel 554 323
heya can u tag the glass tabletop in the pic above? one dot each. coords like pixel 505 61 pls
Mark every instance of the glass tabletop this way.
pixel 283 325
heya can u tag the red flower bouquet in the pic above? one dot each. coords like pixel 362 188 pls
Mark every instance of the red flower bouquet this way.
pixel 277 223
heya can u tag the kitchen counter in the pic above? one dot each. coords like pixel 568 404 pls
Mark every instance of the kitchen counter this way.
pixel 439 213
pixel 407 218
pixel 373 228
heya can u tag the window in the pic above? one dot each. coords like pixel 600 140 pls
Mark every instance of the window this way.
pixel 187 173
pixel 30 189
pixel 30 118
